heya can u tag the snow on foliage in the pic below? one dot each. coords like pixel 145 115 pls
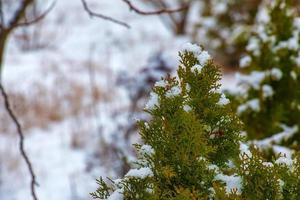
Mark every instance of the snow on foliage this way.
pixel 116 195
pixel 147 149
pixel 187 108
pixel 267 91
pixel 254 79
pixel 174 91
pixel 223 100
pixel 245 61
pixel 197 67
pixel 189 47
pixel 153 101
pixel 233 182
pixel 140 173
pixel 288 132
pixel 251 104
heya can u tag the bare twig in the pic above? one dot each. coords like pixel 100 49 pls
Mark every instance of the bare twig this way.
pixel 38 18
pixel 19 14
pixel 104 17
pixel 21 142
pixel 1 16
pixel 157 12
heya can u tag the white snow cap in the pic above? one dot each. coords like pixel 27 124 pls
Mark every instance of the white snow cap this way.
pixel 244 149
pixel 267 91
pixel 191 48
pixel 263 16
pixel 253 46
pixel 203 58
pixel 293 75
pixel 285 161
pixel 147 149
pixel 219 8
pixel 140 173
pixel 161 83
pixel 197 67
pixel 287 133
pixel 187 108
pixel 276 73
pixel 223 100
pixel 116 195
pixel 252 104
pixel 174 91
pixel 153 101
pixel 245 61
pixel 232 182
pixel 253 79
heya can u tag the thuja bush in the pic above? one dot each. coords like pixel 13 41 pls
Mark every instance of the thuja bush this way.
pixel 192 145
pixel 226 25
pixel 269 102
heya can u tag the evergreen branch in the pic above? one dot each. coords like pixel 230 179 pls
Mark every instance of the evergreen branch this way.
pixel 21 142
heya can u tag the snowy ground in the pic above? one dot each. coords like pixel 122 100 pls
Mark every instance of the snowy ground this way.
pixel 81 52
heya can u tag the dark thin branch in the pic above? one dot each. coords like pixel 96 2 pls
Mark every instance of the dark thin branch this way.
pixel 104 17
pixel 38 18
pixel 1 16
pixel 21 142
pixel 157 12
pixel 18 15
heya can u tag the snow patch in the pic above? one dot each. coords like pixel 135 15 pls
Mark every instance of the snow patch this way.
pixel 153 101
pixel 189 47
pixel 251 104
pixel 140 173
pixel 232 182
pixel 203 58
pixel 223 100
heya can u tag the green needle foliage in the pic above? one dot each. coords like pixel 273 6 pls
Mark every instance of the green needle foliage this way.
pixel 270 100
pixel 192 146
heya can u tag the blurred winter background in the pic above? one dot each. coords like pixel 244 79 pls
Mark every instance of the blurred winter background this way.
pixel 77 84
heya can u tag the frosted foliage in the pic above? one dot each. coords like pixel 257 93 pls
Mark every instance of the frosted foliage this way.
pixel 263 16
pixel 223 100
pixel 267 91
pixel 140 173
pixel 276 73
pixel 160 83
pixel 196 68
pixel 116 195
pixel 284 160
pixel 287 133
pixel 245 61
pixel 153 101
pixel 244 149
pixel 252 104
pixel 232 182
pixel 219 7
pixel 187 108
pixel 147 149
pixel 254 79
pixel 192 48
pixel 203 58
pixel 174 91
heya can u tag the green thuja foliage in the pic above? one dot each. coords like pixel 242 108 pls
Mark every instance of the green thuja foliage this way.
pixel 227 34
pixel 270 100
pixel 192 146
pixel 192 128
